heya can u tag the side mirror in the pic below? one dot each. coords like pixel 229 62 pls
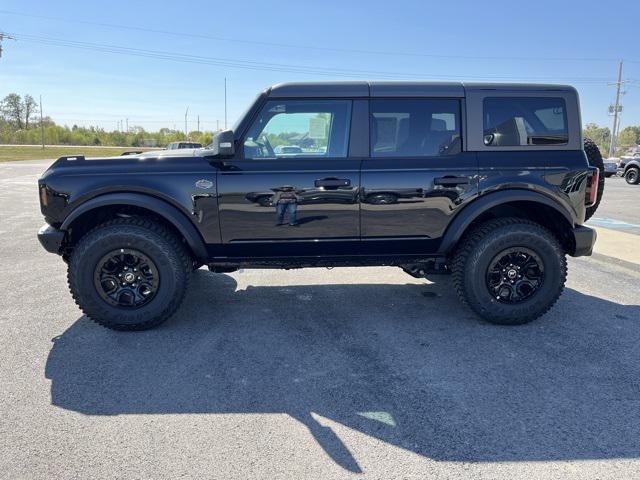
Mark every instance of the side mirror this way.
pixel 222 144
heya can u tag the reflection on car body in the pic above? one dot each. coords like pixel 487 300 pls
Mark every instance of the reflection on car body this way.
pixel 308 196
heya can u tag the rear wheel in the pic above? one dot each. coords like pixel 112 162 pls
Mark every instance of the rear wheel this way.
pixel 129 274
pixel 509 271
pixel 632 176
pixel 595 160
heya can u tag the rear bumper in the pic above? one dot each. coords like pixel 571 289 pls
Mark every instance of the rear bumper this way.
pixel 584 240
pixel 51 238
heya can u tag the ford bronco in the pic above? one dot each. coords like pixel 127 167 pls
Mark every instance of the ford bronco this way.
pixel 489 183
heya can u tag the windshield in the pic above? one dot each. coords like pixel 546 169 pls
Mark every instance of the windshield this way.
pixel 236 124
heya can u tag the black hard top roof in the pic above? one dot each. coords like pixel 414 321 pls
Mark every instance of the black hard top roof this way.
pixel 397 89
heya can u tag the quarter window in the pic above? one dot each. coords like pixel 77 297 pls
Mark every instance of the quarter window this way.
pixel 522 121
pixel 415 127
pixel 300 128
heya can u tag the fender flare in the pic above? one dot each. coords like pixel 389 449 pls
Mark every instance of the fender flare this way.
pixel 162 208
pixel 477 207
pixel 631 164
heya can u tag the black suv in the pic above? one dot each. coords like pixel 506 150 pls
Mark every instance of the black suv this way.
pixel 487 182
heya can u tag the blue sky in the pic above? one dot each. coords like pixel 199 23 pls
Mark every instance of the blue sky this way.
pixel 548 42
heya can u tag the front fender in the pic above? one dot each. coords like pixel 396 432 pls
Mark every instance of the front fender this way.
pixel 630 164
pixel 162 208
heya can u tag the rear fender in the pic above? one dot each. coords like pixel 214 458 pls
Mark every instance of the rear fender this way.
pixel 471 212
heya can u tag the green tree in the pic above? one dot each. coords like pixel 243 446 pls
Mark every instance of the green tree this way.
pixel 12 110
pixel 29 109
pixel 600 135
pixel 629 137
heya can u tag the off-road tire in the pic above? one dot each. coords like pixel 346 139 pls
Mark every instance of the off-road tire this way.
pixel 632 175
pixel 595 160
pixel 154 240
pixel 477 249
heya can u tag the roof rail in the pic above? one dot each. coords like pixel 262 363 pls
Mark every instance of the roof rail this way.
pixel 71 158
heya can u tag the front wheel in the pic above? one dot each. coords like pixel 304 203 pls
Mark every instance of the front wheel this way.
pixel 509 271
pixel 129 274
pixel 632 176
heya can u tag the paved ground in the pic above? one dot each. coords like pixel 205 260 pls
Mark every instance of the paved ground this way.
pixel 313 374
pixel 620 209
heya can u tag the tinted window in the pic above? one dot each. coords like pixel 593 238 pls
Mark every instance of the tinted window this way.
pixel 300 128
pixel 415 127
pixel 519 121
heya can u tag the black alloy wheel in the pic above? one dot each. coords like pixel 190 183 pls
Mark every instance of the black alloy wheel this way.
pixel 514 275
pixel 632 176
pixel 126 278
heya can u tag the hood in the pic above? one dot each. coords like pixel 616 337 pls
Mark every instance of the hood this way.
pixel 181 152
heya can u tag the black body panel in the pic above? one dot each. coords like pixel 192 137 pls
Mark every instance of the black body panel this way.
pixel 404 209
pixel 358 210
pixel 326 214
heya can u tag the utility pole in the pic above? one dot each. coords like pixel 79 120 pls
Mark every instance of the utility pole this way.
pixel 217 125
pixel 617 108
pixel 225 103
pixel 127 125
pixel 185 122
pixel 4 36
pixel 198 123
pixel 41 123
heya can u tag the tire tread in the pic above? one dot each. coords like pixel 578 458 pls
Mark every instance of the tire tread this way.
pixel 467 247
pixel 133 225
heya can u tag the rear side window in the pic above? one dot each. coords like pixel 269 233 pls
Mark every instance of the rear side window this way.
pixel 522 121
pixel 415 127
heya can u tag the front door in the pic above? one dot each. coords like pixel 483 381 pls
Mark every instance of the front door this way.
pixel 292 188
pixel 417 175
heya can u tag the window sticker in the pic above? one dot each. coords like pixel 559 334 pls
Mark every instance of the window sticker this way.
pixel 317 128
pixel 278 109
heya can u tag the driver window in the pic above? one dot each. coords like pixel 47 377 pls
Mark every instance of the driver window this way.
pixel 300 128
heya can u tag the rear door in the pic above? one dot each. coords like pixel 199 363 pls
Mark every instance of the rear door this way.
pixel 293 188
pixel 417 175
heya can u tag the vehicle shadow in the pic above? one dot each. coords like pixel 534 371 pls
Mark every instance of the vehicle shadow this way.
pixel 402 363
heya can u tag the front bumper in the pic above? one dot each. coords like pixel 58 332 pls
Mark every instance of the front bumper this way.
pixel 51 238
pixel 584 240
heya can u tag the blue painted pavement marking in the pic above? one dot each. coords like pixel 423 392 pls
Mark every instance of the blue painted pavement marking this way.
pixel 612 224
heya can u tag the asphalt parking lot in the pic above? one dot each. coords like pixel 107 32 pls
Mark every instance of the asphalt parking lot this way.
pixel 621 208
pixel 316 374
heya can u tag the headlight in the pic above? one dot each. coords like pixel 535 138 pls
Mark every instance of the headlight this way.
pixel 44 198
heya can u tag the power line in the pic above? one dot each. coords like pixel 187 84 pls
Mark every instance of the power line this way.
pixel 276 67
pixel 310 47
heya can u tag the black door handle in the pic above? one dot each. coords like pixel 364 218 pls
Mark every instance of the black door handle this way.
pixel 451 181
pixel 333 182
